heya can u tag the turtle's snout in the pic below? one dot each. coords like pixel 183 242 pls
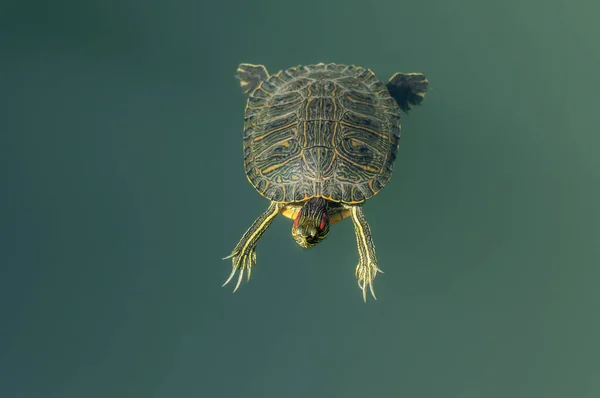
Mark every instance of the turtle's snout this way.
pixel 308 237
pixel 312 237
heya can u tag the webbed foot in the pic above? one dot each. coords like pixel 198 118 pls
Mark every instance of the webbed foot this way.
pixel 408 89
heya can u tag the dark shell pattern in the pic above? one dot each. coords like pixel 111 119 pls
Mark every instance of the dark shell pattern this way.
pixel 321 130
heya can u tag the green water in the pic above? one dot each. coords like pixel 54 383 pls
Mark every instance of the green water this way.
pixel 123 187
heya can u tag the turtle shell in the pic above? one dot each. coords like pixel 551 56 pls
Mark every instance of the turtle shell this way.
pixel 327 131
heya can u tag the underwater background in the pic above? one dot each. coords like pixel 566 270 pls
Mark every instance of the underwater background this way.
pixel 123 188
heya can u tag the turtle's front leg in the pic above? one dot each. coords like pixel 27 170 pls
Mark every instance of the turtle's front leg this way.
pixel 367 268
pixel 243 255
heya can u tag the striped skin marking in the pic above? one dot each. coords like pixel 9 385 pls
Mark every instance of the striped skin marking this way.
pixel 323 221
pixel 297 218
pixel 367 268
pixel 243 255
pixel 260 228
pixel 360 231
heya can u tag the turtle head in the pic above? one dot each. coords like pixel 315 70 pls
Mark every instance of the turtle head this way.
pixel 312 223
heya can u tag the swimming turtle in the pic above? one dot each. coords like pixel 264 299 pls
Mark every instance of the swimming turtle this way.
pixel 318 141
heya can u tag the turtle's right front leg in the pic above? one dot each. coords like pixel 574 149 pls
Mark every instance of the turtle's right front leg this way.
pixel 367 267
pixel 243 255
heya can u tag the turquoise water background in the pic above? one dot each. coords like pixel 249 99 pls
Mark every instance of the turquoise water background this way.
pixel 123 187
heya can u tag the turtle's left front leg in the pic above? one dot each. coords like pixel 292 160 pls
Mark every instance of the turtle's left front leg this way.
pixel 367 268
pixel 244 255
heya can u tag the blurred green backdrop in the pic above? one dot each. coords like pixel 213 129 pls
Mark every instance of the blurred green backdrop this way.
pixel 123 187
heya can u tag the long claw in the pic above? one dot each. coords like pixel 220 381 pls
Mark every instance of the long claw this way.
pixel 230 276
pixel 239 280
pixel 372 291
pixel 365 275
pixel 364 291
pixel 231 255
pixel 241 264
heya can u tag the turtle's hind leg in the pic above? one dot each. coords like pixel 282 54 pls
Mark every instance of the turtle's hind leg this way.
pixel 408 89
pixel 243 256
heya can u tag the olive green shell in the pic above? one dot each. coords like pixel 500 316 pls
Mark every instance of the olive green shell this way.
pixel 326 131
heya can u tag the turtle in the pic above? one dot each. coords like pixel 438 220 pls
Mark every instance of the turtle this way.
pixel 319 140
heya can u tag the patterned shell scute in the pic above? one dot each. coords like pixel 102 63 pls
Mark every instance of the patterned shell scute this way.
pixel 321 130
